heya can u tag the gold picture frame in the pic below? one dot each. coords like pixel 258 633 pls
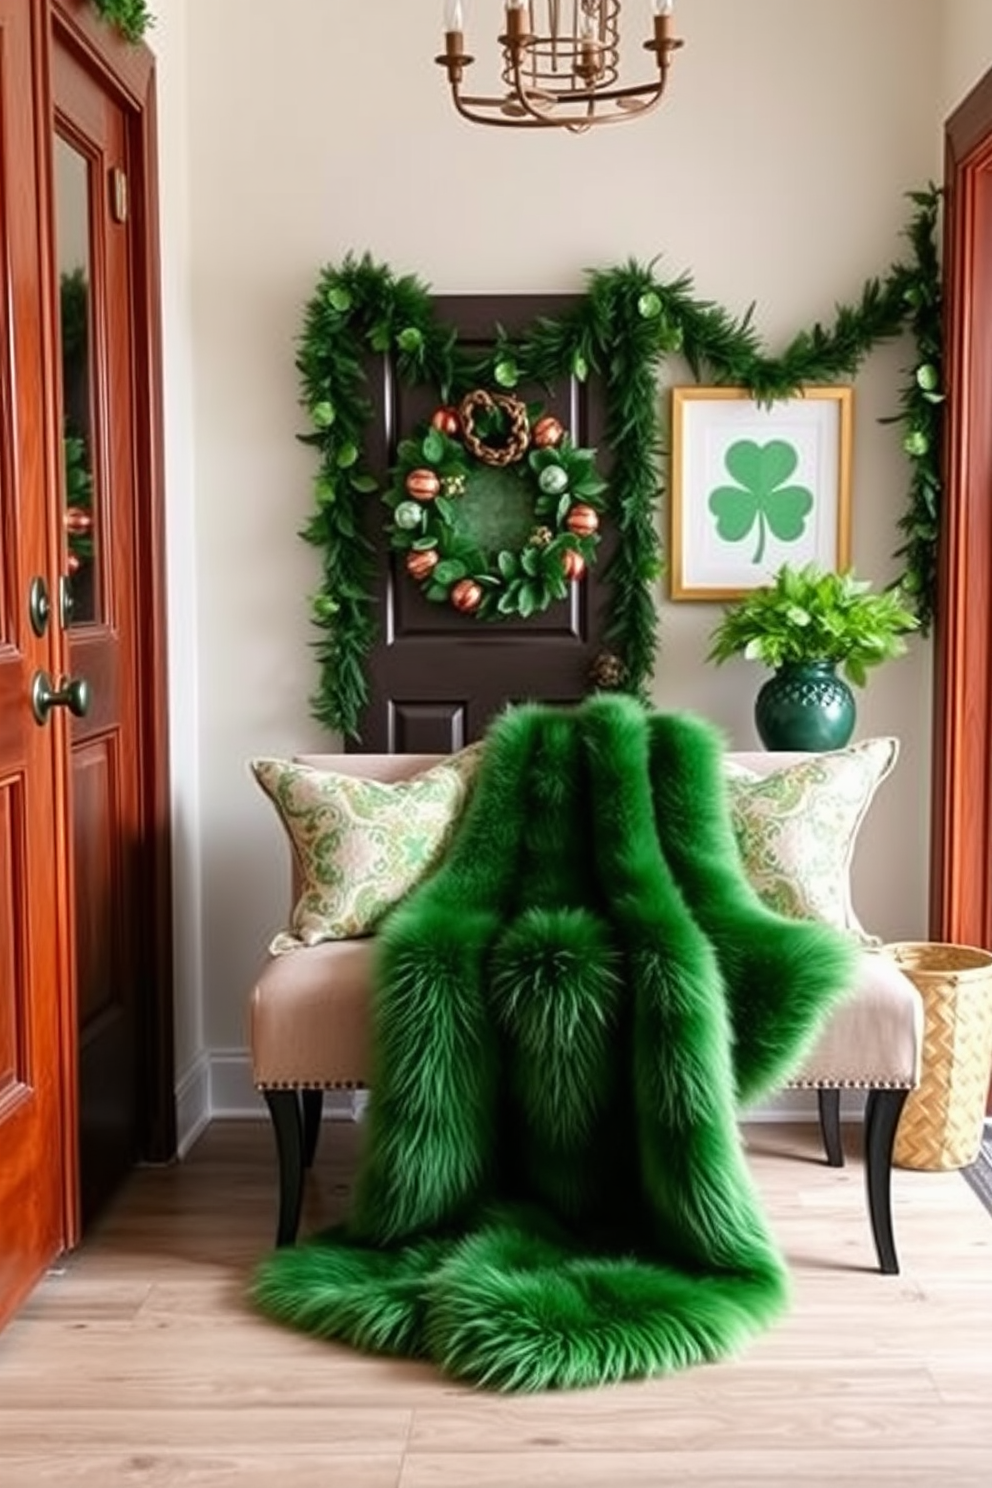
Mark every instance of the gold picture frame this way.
pixel 754 486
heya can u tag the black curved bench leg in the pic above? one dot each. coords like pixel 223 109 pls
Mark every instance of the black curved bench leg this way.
pixel 882 1112
pixel 829 1103
pixel 287 1123
pixel 313 1108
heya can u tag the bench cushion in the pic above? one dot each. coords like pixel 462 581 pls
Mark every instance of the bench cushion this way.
pixel 309 1016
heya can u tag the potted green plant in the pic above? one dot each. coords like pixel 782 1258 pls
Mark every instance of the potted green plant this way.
pixel 805 624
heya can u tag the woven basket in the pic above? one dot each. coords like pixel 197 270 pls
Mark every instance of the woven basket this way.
pixel 941 1123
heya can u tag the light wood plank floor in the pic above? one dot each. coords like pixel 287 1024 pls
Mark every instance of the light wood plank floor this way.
pixel 138 1361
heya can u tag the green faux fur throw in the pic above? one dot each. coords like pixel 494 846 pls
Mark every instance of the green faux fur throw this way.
pixel 567 1015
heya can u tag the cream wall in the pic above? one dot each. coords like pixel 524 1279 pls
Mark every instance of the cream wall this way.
pixel 775 173
pixel 967 49
pixel 185 740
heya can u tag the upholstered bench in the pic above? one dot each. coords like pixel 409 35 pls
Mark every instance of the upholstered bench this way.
pixel 309 1010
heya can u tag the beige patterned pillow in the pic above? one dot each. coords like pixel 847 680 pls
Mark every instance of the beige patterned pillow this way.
pixel 796 828
pixel 360 845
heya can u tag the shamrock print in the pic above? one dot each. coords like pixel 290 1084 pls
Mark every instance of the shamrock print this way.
pixel 761 495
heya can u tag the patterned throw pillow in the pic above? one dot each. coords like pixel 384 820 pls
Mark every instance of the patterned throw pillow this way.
pixel 796 828
pixel 360 845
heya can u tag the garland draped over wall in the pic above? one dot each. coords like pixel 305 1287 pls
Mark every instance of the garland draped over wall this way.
pixel 131 18
pixel 621 330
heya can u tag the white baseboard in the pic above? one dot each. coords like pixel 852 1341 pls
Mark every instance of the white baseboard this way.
pixel 193 1106
pixel 233 1096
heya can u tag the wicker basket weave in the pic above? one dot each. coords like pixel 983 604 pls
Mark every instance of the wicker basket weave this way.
pixel 941 1123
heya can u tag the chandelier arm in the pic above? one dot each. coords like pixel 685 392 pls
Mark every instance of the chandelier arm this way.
pixel 466 107
pixel 521 93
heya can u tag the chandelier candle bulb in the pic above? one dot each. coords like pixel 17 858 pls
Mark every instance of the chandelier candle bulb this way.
pixel 589 51
pixel 454 58
pixel 517 33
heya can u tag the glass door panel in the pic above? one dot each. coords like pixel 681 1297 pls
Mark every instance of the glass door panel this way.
pixel 81 509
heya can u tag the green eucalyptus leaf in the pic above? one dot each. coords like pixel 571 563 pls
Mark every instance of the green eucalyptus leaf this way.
pixel 339 299
pixel 449 571
pixel 410 339
pixel 433 446
pixel 589 487
pixel 533 599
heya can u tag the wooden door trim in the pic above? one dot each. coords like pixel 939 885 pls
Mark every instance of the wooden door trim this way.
pixel 128 72
pixel 961 804
pixel 127 67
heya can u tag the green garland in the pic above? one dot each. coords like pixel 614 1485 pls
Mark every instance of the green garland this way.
pixel 494 538
pixel 131 18
pixel 622 329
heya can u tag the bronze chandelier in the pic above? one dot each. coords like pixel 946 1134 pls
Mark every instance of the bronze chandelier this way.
pixel 566 75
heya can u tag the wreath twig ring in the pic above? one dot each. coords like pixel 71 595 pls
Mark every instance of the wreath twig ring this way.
pixel 517 434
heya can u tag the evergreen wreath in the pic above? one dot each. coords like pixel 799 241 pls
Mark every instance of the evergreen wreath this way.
pixel 622 329
pixel 131 18
pixel 494 508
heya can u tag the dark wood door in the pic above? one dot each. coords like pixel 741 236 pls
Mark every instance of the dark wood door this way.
pixel 92 221
pixel 34 1175
pixel 438 677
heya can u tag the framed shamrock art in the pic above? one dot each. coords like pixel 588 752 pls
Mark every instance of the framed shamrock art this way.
pixel 756 485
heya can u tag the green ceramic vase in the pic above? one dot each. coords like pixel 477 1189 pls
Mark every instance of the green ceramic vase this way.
pixel 805 706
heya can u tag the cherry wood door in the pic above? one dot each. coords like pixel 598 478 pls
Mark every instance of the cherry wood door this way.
pixel 436 677
pixel 92 218
pixel 85 909
pixel 35 1078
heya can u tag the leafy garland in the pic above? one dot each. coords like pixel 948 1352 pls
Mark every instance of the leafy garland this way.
pixel 623 328
pixel 494 508
pixel 131 18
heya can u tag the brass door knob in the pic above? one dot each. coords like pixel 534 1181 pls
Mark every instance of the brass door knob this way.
pixel 73 693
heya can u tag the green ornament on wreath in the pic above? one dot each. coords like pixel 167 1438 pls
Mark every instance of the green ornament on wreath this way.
pixel 493 508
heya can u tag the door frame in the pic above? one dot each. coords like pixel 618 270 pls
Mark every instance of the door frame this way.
pixel 961 802
pixel 127 71
pixel 961 892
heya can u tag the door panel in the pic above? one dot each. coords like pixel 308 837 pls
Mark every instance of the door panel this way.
pixel 99 519
pixel 33 992
pixel 438 677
